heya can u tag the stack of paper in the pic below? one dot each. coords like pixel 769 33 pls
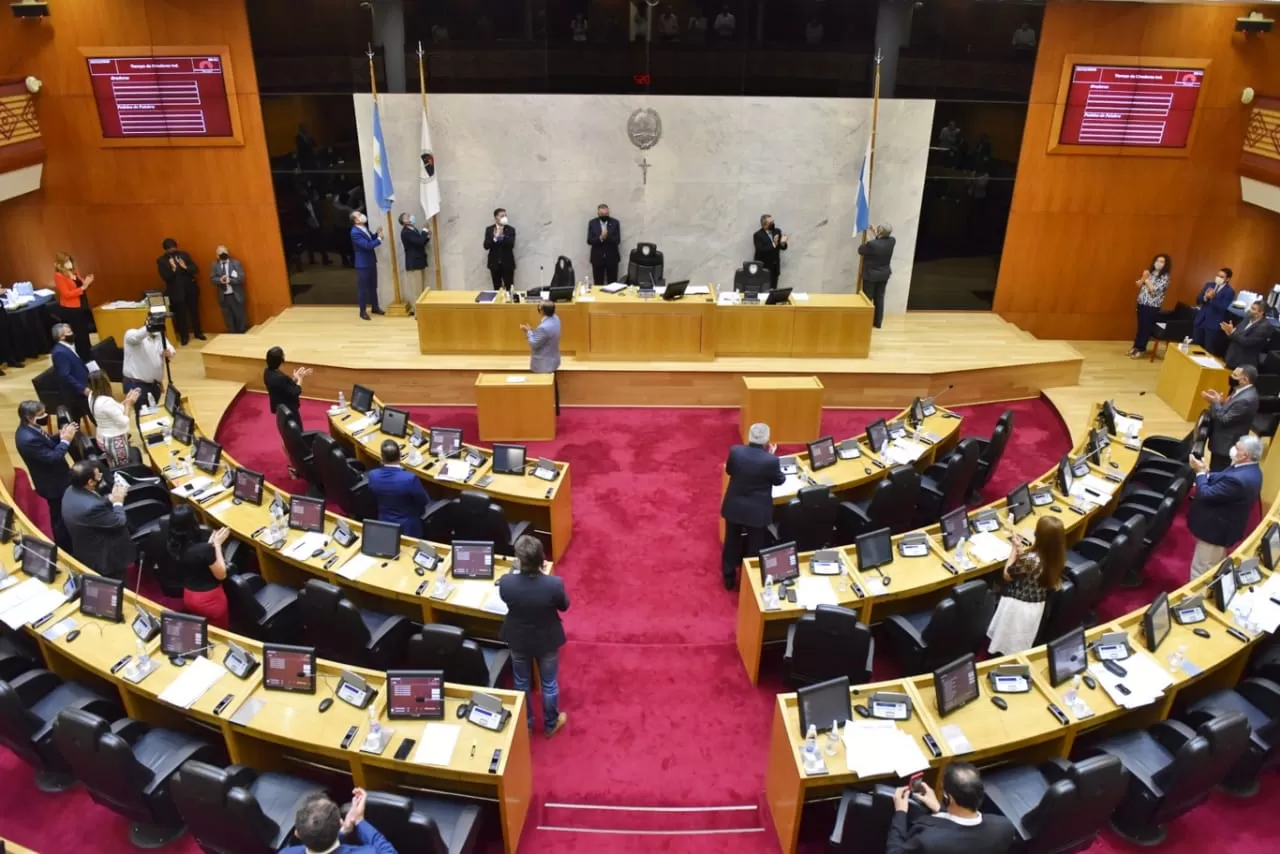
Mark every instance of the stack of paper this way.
pixel 356 567
pixel 1144 679
pixel 988 548
pixel 875 748
pixel 812 591
pixel 729 298
pixel 472 595
pixel 1257 607
pixel 799 296
pixel 612 288
pixel 29 601
pixel 793 483
pixel 306 544
pixel 1127 426
pixel 957 742
pixel 192 486
pixel 903 451
pixel 454 470
pixel 1093 483
pixel 494 604
pixel 437 744
pixel 196 679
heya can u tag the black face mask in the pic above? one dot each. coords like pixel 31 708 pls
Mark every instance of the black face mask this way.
pixel 42 418
pixel 604 217
pixel 223 256
pixel 1233 383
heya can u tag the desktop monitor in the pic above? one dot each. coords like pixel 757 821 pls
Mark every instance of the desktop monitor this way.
pixel 822 453
pixel 955 684
pixel 1065 476
pixel 361 398
pixel 1067 656
pixel 1019 503
pixel 445 441
pixel 395 422
pixel 778 296
pixel 1223 585
pixel 1098 440
pixel 877 435
pixel 381 539
pixel 207 455
pixel 780 561
pixel 473 559
pixel 1269 552
pixel 415 694
pixel 874 548
pixel 1157 621
pixel 508 459
pixel 675 290
pixel 172 399
pixel 306 514
pixel 248 486
pixel 40 559
pixel 955 527
pixel 289 668
pixel 916 413
pixel 1107 417
pixel 183 426
pixel 824 703
pixel 183 635
pixel 6 522
pixel 102 598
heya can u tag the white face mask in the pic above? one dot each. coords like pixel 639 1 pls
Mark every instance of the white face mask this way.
pixel 1232 454
pixel 502 220
pixel 1219 281
pixel 413 220
pixel 69 265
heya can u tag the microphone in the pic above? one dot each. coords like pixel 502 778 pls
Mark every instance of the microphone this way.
pixel 178 659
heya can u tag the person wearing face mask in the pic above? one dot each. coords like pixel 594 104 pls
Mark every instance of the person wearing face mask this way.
pixel 97 525
pixel 179 271
pixel 500 243
pixel 1246 342
pixel 1232 416
pixel 604 233
pixel 770 243
pixel 72 372
pixel 71 288
pixel 1213 301
pixel 363 244
pixel 228 279
pixel 45 456
pixel 1151 285
pixel 415 241
pixel 1224 501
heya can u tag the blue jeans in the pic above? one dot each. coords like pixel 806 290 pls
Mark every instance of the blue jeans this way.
pixel 548 667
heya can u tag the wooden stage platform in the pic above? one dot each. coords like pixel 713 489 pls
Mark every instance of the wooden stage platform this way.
pixel 919 353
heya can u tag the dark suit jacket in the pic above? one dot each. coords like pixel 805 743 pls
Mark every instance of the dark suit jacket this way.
pixel 1247 343
pixel 532 625
pixel 604 251
pixel 1214 311
pixel 935 835
pixel 99 532
pixel 368 841
pixel 753 472
pixel 415 242
pixel 502 253
pixel 401 498
pixel 1231 419
pixel 70 368
pixel 766 253
pixel 876 255
pixel 1223 502
pixel 46 459
pixel 179 276
pixel 281 388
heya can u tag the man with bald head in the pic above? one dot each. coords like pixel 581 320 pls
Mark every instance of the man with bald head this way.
pixel 747 508
pixel 227 276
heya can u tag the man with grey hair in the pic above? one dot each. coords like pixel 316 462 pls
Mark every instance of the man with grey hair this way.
pixel 1231 417
pixel 747 508
pixel 73 374
pixel 876 254
pixel 1224 500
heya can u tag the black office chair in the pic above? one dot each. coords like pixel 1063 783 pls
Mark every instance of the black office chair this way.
pixel 1173 325
pixel 562 276
pixel 267 612
pixel 809 520
pixel 1172 768
pixel 990 452
pixel 110 358
pixel 1057 807
pixel 826 643
pixel 472 516
pixel 297 446
pixel 752 277
pixel 1118 552
pixel 863 819
pixel 925 640
pixel 342 480
pixel 1158 511
pixel 1267 420
pixel 237 810
pixel 1259 701
pixel 340 631
pixel 15 660
pixel 429 824
pixel 29 704
pixel 48 389
pixel 1072 604
pixel 892 505
pixel 440 647
pixel 645 266
pixel 945 485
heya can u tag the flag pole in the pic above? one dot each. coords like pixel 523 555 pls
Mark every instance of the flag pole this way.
pixel 435 224
pixel 397 308
pixel 871 166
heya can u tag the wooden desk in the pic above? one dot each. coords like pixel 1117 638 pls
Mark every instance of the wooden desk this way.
pixel 453 322
pixel 516 407
pixel 791 406
pixel 823 325
pixel 11 847
pixel 1182 379
pixel 115 322
pixel 624 326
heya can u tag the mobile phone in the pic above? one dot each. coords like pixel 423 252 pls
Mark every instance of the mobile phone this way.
pixel 406 745
pixel 916 783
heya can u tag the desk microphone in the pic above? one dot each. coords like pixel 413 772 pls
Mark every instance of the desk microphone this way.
pixel 180 659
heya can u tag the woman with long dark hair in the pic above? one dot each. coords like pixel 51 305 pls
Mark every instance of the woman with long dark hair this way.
pixel 111 417
pixel 200 565
pixel 1152 285
pixel 1029 578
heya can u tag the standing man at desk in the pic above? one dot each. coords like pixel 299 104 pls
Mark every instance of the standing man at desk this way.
pixel 73 373
pixel 415 241
pixel 1219 515
pixel 400 495
pixel 145 352
pixel 1246 343
pixel 500 243
pixel 98 527
pixel 876 254
pixel 544 346
pixel 959 828
pixel 1231 417
pixel 604 233
pixel 747 508
pixel 1214 300
pixel 45 457
pixel 363 244
pixel 179 270
pixel 533 630
pixel 770 243
pixel 320 828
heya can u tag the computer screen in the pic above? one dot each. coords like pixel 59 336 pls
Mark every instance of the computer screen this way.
pixel 6 523
pixel 381 539
pixel 874 548
pixel 207 455
pixel 1019 503
pixel 1098 440
pixel 248 486
pixel 1270 552
pixel 183 634
pixel 1224 585
pixel 955 527
pixel 172 399
pixel 877 435
pixel 183 426
pixel 955 684
pixel 289 668
pixel 444 441
pixel 415 694
pixel 395 422
pixel 822 453
pixel 473 559
pixel 102 597
pixel 1157 621
pixel 361 398
pixel 824 703
pixel 40 559
pixel 1067 656
pixel 1107 417
pixel 1065 476
pixel 306 514
pixel 508 459
pixel 779 561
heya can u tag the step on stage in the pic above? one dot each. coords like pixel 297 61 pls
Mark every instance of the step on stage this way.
pixel 918 353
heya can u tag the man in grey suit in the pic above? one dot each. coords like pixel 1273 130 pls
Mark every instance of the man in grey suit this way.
pixel 227 275
pixel 1246 342
pixel 544 345
pixel 99 531
pixel 1232 416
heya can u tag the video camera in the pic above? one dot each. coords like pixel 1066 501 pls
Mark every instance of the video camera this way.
pixel 157 312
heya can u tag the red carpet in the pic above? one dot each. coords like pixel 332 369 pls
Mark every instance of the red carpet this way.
pixel 660 713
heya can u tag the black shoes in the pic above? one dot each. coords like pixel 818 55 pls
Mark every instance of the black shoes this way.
pixel 364 316
pixel 378 311
pixel 200 337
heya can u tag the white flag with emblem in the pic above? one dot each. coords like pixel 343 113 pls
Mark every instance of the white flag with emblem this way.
pixel 427 178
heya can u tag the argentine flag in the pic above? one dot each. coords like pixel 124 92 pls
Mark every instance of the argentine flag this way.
pixel 862 217
pixel 382 189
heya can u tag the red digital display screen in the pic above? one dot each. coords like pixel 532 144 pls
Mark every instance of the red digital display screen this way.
pixel 160 96
pixel 1130 106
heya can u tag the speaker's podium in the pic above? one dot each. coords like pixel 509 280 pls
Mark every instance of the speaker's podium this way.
pixel 791 406
pixel 516 407
pixel 1184 377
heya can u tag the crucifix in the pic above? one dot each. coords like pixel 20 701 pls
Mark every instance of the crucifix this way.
pixel 644 165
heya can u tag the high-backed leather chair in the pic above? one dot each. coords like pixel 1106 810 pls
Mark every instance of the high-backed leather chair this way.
pixel 1259 701
pixel 892 505
pixel 1172 768
pixel 441 647
pixel 863 819
pixel 237 810
pixel 14 660
pixel 925 640
pixel 809 519
pixel 472 516
pixel 944 486
pixel 110 358
pixel 1056 807
pixel 1119 549
pixel 828 642
pixel 990 452
pixel 752 276
pixel 297 446
pixel 127 766
pixel 29 704
pixel 1158 511
pixel 1071 605
pixel 342 632
pixel 48 389
pixel 645 266
pixel 424 824
pixel 342 480
pixel 268 612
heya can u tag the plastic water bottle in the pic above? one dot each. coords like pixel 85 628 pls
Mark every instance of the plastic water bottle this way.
pixel 277 524
pixel 1176 658
pixel 342 400
pixel 1073 693
pixel 960 559
pixel 375 726
pixel 770 595
pixel 811 745
pixel 1185 346
pixel 151 401
pixel 833 739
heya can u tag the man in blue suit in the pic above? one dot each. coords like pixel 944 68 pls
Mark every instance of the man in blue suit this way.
pixel 45 457
pixel 73 374
pixel 1223 501
pixel 320 828
pixel 363 244
pixel 401 496
pixel 1214 300
pixel 748 500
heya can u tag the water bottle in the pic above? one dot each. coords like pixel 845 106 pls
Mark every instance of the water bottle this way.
pixel 1073 693
pixel 1185 346
pixel 151 401
pixel 811 745
pixel 1176 658
pixel 342 400
pixel 769 592
pixel 277 526
pixel 960 559
pixel 375 726
pixel 833 739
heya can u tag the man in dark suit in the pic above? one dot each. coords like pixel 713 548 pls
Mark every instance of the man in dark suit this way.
pixel 73 373
pixel 533 630
pixel 1246 343
pixel 98 528
pixel 415 241
pixel 364 244
pixel 876 254
pixel 955 826
pixel 179 270
pixel 500 242
pixel 770 243
pixel 1231 417
pixel 401 496
pixel 45 457
pixel 320 827
pixel 1223 503
pixel 604 233
pixel 747 508
pixel 1214 300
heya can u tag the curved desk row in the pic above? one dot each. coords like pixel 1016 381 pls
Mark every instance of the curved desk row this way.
pixel 1027 731
pixel 546 504
pixel 273 730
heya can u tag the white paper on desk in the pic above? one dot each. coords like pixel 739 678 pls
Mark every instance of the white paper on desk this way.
pixel 986 547
pixel 908 756
pixel 902 451
pixel 43 603
pixel 306 544
pixel 1257 608
pixel 515 378
pixel 43 292
pixel 15 596
pixel 868 748
pixel 209 494
pixel 1127 426
pixel 812 591
pixel 800 296
pixel 454 470
pixel 437 744
pixel 955 738
pixel 494 604
pixel 471 595
pixel 1203 361
pixel 729 298
pixel 1139 694
pixel 793 483
pixel 196 680
pixel 356 567
pixel 162 422
pixel 697 291
pixel 613 288
pixel 584 298
pixel 1093 483
pixel 192 486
